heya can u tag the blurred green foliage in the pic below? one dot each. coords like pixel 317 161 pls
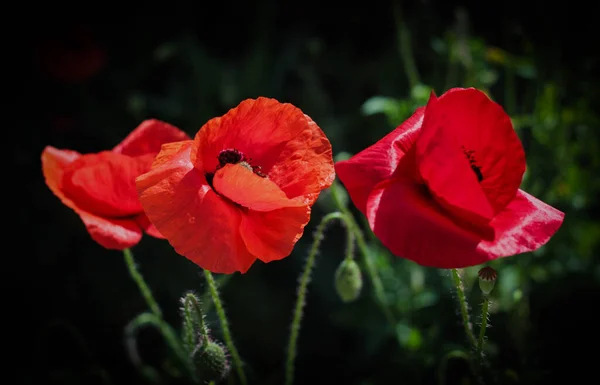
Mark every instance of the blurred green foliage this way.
pixel 357 92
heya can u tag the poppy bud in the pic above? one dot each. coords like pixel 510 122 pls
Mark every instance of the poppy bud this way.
pixel 348 280
pixel 487 279
pixel 211 362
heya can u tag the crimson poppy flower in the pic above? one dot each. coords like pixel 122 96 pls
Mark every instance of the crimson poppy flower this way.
pixel 242 189
pixel 101 187
pixel 442 189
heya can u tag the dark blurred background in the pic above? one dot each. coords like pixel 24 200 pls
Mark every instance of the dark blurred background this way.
pixel 87 74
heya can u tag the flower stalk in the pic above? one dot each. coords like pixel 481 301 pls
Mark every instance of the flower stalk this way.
pixel 302 289
pixel 235 356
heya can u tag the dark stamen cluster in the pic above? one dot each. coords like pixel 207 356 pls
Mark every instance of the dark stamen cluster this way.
pixel 233 156
pixel 470 154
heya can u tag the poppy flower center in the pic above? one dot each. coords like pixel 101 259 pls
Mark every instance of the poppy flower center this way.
pixel 470 154
pixel 233 156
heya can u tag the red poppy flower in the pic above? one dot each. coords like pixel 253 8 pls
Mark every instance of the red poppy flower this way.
pixel 442 189
pixel 101 187
pixel 242 189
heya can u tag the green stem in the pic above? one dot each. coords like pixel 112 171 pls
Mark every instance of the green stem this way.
pixel 484 322
pixel 366 255
pixel 139 280
pixel 464 309
pixel 301 299
pixel 237 361
pixel 170 337
pixel 405 47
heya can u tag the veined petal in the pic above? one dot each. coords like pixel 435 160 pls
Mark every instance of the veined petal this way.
pixel 408 221
pixel 148 137
pixel 524 225
pixel 363 171
pixel 469 154
pixel 242 186
pixel 272 235
pixel 104 183
pixel 198 223
pixel 54 162
pixel 305 165
pixel 260 128
pixel 115 234
pixel 413 226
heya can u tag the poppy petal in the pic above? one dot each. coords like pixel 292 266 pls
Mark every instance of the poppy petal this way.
pixel 486 129
pixel 305 166
pixel 143 221
pixel 524 225
pixel 242 186
pixel 103 183
pixel 148 138
pixel 412 225
pixel 114 234
pixel 442 162
pixel 198 223
pixel 54 162
pixel 272 235
pixel 259 128
pixel 363 171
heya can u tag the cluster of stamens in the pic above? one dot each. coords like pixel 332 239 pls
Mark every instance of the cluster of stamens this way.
pixel 470 154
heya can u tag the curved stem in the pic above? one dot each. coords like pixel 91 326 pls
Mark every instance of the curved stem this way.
pixel 364 250
pixel 464 309
pixel 169 335
pixel 235 356
pixel 301 299
pixel 484 322
pixel 139 280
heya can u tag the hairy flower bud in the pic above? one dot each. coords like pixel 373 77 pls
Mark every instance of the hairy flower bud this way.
pixel 211 362
pixel 348 280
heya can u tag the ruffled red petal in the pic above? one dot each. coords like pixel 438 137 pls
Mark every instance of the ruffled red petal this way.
pixel 148 137
pixel 115 234
pixel 272 235
pixel 305 166
pixel 408 221
pixel 469 154
pixel 363 171
pixel 110 233
pixel 143 221
pixel 288 146
pixel 242 186
pixel 524 225
pixel 198 223
pixel 104 183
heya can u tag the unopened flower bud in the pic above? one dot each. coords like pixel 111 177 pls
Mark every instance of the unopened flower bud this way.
pixel 348 280
pixel 487 279
pixel 211 362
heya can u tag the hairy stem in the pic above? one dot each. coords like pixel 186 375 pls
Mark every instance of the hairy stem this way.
pixel 464 308
pixel 484 321
pixel 366 256
pixel 235 356
pixel 139 280
pixel 301 299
